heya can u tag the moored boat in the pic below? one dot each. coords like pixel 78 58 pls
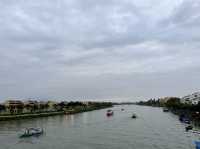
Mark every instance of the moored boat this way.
pixel 165 110
pixel 184 119
pixel 189 127
pixel 197 143
pixel 28 132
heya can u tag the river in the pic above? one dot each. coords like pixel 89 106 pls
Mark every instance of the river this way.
pixel 153 129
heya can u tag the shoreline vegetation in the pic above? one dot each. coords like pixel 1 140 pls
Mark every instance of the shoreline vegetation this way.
pixel 174 105
pixel 15 112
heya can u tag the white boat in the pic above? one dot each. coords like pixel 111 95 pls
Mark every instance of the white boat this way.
pixel 28 132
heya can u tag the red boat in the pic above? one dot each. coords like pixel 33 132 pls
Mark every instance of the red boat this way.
pixel 110 112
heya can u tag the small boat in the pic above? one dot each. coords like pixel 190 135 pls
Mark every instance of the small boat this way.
pixel 122 109
pixel 184 119
pixel 165 110
pixel 197 143
pixel 109 113
pixel 28 132
pixel 134 116
pixel 189 127
pixel 187 122
pixel 195 132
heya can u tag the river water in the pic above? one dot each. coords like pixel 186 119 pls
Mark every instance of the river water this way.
pixel 153 129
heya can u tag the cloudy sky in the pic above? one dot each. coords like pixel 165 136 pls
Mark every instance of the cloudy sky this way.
pixel 99 49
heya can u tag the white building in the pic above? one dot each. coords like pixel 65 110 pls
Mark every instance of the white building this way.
pixel 191 99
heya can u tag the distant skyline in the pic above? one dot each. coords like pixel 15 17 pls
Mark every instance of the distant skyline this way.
pixel 85 49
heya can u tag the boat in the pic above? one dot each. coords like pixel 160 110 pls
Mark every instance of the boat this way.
pixel 28 132
pixel 189 127
pixel 184 119
pixel 109 113
pixel 187 121
pixel 134 116
pixel 197 143
pixel 195 132
pixel 165 110
pixel 122 109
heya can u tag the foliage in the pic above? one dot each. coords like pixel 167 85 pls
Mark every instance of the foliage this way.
pixel 2 108
pixel 62 107
pixel 151 102
pixel 173 102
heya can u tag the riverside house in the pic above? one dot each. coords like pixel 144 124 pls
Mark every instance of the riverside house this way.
pixel 52 105
pixel 30 106
pixel 193 99
pixel 36 106
pixel 42 105
pixel 14 106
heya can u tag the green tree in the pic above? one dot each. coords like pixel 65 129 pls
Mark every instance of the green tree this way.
pixel 174 103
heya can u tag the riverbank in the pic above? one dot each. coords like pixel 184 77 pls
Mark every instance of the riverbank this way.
pixel 193 116
pixel 78 109
pixel 84 109
pixel 32 115
pixel 174 104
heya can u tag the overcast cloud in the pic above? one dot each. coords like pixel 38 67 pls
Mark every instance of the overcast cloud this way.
pixel 99 49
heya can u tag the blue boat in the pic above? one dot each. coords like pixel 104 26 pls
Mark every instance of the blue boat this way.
pixel 184 119
pixel 197 143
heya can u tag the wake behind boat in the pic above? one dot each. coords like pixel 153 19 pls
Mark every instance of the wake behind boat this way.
pixel 28 132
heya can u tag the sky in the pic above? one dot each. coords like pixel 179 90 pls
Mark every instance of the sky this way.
pixel 115 50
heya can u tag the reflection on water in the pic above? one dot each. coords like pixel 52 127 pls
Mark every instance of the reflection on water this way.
pixel 152 130
pixel 31 140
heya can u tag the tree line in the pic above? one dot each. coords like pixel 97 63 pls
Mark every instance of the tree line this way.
pixel 173 103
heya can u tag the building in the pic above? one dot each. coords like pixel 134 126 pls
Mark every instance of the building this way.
pixel 14 103
pixel 14 106
pixel 52 105
pixel 86 103
pixel 42 103
pixel 191 99
pixel 31 103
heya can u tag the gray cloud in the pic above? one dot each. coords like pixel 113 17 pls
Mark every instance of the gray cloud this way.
pixel 99 49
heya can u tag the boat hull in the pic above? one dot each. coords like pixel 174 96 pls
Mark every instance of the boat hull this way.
pixel 33 133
